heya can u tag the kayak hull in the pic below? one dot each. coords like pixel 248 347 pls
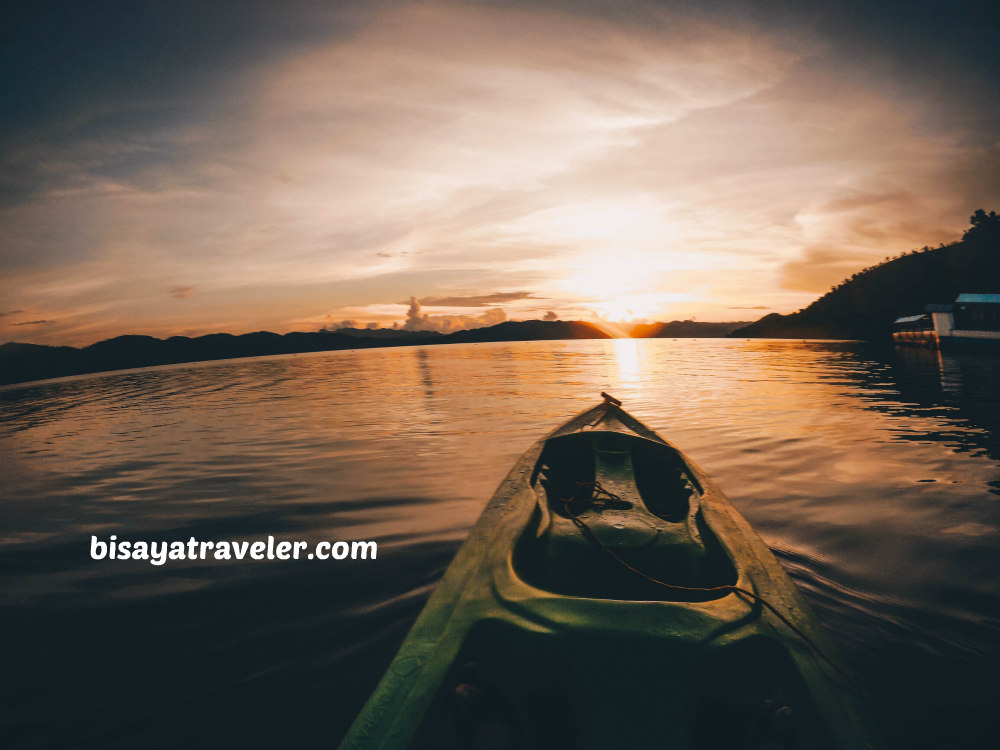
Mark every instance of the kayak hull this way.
pixel 546 631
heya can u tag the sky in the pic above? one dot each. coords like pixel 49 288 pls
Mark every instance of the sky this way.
pixel 181 168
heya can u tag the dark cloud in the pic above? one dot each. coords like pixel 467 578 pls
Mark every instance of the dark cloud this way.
pixel 63 56
pixel 77 81
pixel 475 300
pixel 10 312
pixel 857 199
pixel 132 72
pixel 941 45
pixel 930 47
pixel 182 292
pixel 342 324
pixel 34 323
pixel 92 93
pixel 897 216
pixel 975 176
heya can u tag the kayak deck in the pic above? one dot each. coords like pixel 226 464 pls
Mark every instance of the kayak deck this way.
pixel 543 632
pixel 652 520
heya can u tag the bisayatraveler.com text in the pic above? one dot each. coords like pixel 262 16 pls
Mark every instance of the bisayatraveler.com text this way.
pixel 158 553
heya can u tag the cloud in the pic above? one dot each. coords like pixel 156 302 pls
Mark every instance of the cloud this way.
pixel 877 216
pixel 752 307
pixel 10 312
pixel 334 160
pixel 182 292
pixel 550 316
pixel 415 321
pixel 821 266
pixel 343 324
pixel 480 300
pixel 975 176
pixel 95 101
pixel 34 323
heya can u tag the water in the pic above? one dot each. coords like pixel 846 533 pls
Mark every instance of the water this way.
pixel 873 474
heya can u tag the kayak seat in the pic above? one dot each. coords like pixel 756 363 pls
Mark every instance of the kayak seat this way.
pixel 636 499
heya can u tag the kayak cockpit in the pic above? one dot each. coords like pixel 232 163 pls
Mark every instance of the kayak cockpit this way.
pixel 631 495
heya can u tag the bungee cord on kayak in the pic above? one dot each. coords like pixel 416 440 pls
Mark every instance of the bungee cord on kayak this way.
pixel 603 498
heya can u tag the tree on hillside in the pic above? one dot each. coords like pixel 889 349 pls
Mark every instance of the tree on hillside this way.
pixel 983 225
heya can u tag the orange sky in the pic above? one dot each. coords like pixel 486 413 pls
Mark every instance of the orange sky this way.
pixel 489 159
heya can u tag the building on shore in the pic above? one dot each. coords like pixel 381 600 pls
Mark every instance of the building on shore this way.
pixel 915 330
pixel 972 321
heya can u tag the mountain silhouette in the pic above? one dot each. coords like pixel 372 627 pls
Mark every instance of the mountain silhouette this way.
pixel 682 329
pixel 24 362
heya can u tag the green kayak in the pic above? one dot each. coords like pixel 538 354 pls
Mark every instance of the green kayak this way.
pixel 610 596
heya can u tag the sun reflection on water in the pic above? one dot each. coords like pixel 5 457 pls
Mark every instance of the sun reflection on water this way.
pixel 630 356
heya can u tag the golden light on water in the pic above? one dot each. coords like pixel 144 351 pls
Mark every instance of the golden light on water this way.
pixel 631 358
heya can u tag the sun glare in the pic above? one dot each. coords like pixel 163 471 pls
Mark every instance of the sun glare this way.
pixel 619 288
pixel 629 307
pixel 605 276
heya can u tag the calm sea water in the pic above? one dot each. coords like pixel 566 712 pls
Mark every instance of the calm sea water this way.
pixel 873 474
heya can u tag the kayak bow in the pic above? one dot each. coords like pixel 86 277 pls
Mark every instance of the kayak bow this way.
pixel 599 602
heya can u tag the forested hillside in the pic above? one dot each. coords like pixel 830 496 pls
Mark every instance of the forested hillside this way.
pixel 865 305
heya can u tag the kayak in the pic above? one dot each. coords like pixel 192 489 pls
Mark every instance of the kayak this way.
pixel 611 596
